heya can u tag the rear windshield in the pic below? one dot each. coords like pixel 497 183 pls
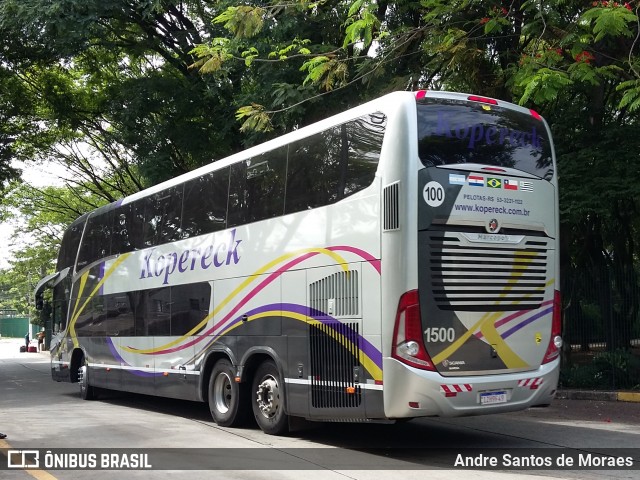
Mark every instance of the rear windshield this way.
pixel 455 131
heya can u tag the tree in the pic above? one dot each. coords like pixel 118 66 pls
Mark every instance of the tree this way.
pixel 130 94
pixel 40 217
pixel 114 75
pixel 576 62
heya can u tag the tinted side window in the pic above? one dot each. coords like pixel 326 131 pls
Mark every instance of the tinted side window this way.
pixel 60 304
pixel 256 189
pixel 331 165
pixel 313 171
pixel 365 136
pixel 161 311
pixel 158 316
pixel 69 245
pixel 128 227
pixel 96 242
pixel 162 213
pixel 87 324
pixel 120 241
pixel 205 204
pixel 189 306
pixel 120 315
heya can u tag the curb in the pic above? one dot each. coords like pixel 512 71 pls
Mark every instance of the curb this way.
pixel 598 396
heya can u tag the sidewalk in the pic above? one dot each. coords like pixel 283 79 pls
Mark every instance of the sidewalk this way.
pixel 10 348
pixel 602 396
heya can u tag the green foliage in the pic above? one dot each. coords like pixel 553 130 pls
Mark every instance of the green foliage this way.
pixel 211 56
pixel 325 71
pixel 619 369
pixel 631 94
pixel 244 21
pixel 611 20
pixel 543 86
pixel 254 118
pixel 39 217
pixel 361 24
pixel 120 84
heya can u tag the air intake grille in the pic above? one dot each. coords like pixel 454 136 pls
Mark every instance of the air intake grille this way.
pixel 391 207
pixel 336 295
pixel 483 278
pixel 335 366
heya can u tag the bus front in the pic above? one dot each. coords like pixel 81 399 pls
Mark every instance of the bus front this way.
pixel 477 328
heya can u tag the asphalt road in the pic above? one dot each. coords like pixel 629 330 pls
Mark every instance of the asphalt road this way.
pixel 39 414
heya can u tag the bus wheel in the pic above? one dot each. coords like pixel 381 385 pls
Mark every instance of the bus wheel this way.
pixel 227 398
pixel 87 392
pixel 268 400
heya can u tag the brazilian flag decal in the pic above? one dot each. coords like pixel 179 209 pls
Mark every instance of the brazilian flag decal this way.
pixel 494 183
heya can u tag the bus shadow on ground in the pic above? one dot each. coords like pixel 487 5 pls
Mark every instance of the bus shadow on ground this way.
pixel 418 433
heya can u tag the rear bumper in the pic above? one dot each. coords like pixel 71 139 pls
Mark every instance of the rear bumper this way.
pixel 409 392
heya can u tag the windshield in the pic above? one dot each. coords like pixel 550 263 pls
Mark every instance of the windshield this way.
pixel 455 131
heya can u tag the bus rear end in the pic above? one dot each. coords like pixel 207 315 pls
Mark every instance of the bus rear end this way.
pixel 481 332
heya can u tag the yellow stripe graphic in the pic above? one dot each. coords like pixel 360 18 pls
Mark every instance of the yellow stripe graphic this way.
pixel 374 370
pixel 83 283
pixel 338 258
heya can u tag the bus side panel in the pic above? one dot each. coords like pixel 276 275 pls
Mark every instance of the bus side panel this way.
pixel 335 342
pixel 248 317
pixel 398 264
pixel 106 371
pixel 139 369
pixel 174 373
pixel 294 294
pixel 372 339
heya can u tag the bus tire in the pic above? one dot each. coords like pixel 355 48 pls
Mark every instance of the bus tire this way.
pixel 228 402
pixel 87 392
pixel 268 400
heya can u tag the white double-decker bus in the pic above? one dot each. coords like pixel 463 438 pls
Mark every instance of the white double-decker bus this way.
pixel 397 260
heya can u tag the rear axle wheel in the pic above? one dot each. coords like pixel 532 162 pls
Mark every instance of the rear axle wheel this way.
pixel 268 400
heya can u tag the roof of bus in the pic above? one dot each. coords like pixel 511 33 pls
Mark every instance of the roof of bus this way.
pixel 390 100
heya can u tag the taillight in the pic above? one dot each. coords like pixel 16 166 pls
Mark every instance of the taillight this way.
pixel 408 344
pixel 475 98
pixel 420 94
pixel 535 115
pixel 555 343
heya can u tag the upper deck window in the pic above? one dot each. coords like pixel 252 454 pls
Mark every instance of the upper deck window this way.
pixel 457 131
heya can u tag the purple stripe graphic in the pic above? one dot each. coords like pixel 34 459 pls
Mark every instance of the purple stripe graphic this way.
pixel 365 346
pixel 517 327
pixel 118 358
pixel 369 350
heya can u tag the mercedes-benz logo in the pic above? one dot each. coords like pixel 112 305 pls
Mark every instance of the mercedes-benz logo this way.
pixel 493 226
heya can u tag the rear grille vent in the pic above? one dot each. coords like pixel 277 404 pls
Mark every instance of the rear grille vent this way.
pixel 391 207
pixel 336 295
pixel 483 278
pixel 335 366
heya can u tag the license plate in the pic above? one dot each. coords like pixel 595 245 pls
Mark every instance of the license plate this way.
pixel 491 398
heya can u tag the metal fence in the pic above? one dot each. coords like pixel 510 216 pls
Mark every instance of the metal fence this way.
pixel 601 328
pixel 13 325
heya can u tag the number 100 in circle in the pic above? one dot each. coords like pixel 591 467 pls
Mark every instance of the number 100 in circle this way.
pixel 433 194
